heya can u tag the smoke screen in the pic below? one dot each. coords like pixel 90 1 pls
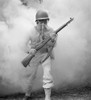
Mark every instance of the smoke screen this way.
pixel 72 51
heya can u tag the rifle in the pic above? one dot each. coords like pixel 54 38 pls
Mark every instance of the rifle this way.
pixel 27 59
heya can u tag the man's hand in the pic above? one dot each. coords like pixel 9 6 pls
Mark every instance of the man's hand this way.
pixel 54 37
pixel 53 40
pixel 32 51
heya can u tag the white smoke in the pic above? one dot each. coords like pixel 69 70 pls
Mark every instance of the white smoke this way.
pixel 14 32
pixel 73 44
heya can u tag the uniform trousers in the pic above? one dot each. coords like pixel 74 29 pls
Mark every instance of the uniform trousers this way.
pixel 47 76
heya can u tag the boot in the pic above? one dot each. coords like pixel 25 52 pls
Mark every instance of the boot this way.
pixel 47 93
pixel 26 98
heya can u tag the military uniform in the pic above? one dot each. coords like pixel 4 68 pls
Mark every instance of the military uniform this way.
pixel 47 77
pixel 39 35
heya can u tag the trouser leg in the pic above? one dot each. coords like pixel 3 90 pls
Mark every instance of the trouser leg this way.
pixel 35 62
pixel 47 79
pixel 31 80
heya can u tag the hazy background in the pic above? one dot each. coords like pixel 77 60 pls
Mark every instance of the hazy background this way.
pixel 72 52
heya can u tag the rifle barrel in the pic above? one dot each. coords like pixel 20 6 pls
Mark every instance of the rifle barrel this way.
pixel 60 28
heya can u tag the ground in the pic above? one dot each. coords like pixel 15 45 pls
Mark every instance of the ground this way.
pixel 78 93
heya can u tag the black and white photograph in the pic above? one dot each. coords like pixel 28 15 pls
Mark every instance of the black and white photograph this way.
pixel 45 50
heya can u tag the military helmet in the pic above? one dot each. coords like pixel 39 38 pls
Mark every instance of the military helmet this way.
pixel 42 15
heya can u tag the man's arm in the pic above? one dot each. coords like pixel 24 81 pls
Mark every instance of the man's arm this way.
pixel 53 37
pixel 30 47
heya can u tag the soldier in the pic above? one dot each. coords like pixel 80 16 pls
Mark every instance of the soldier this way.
pixel 41 31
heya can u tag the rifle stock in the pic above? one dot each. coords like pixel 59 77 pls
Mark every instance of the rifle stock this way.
pixel 27 59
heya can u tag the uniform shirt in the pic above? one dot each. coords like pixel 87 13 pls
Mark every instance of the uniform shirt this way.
pixel 37 38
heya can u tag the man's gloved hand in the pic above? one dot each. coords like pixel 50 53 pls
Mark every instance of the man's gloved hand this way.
pixel 53 41
pixel 53 37
pixel 32 51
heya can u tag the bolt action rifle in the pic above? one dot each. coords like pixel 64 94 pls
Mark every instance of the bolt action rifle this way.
pixel 27 59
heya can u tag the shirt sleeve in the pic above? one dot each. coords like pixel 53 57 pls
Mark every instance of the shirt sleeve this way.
pixel 30 43
pixel 33 39
pixel 53 35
